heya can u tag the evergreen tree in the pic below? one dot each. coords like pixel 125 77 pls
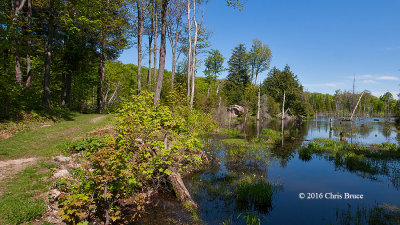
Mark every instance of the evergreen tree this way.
pixel 238 77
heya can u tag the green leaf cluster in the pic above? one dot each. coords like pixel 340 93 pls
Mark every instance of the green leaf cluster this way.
pixel 150 142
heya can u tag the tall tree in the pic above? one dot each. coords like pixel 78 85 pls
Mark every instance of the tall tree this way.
pixel 194 52
pixel 112 27
pixel 214 65
pixel 239 66
pixel 238 78
pixel 164 11
pixel 47 61
pixel 284 84
pixel 189 49
pixel 174 31
pixel 141 6
pixel 259 59
pixel 155 33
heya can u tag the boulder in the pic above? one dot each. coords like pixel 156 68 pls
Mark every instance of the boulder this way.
pixel 236 110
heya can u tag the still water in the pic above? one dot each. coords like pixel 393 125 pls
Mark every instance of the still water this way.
pixel 325 183
pixel 304 191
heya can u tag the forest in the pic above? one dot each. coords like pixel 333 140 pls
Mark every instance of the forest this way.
pixel 63 54
pixel 59 62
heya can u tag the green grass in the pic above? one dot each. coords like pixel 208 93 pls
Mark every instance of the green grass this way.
pixel 20 203
pixel 22 196
pixel 48 141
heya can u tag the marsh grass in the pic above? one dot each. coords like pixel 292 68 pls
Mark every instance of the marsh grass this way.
pixel 257 195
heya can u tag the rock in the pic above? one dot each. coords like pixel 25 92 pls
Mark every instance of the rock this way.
pixel 235 110
pixel 54 194
pixel 62 158
pixel 61 173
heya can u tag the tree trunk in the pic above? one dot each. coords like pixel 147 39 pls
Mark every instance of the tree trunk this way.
pixel 140 18
pixel 18 72
pixel 66 100
pixel 283 105
pixel 179 188
pixel 174 57
pixel 100 99
pixel 162 51
pixel 29 43
pixel 219 105
pixel 47 60
pixel 15 10
pixel 149 70
pixel 208 89
pixel 189 49
pixel 219 84
pixel 351 119
pixel 258 104
pixel 194 54
pixel 155 31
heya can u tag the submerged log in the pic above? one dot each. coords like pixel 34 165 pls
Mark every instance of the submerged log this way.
pixel 179 188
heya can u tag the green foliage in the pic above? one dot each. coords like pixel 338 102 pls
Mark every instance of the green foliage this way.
pixel 257 194
pixel 279 82
pixel 213 64
pixel 78 31
pixel 270 132
pixel 238 77
pixel 87 144
pixel 150 140
pixel 259 59
pixel 390 146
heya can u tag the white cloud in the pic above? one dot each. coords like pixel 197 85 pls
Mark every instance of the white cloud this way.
pixel 369 82
pixel 387 78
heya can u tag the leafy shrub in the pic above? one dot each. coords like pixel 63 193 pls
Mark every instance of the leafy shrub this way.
pixel 87 144
pixel 150 141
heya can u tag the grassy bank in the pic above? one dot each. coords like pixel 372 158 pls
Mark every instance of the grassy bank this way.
pixel 22 195
pixel 49 140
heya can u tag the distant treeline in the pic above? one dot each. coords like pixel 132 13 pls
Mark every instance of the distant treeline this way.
pixel 342 103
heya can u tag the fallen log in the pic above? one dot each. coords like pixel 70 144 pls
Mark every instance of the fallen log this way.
pixel 179 188
pixel 176 182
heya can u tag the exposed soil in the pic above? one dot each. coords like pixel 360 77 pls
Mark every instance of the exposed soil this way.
pixel 97 119
pixel 10 167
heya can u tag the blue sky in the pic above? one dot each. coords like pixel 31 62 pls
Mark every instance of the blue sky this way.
pixel 325 42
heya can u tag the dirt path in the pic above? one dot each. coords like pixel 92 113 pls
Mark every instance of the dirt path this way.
pixel 97 119
pixel 10 167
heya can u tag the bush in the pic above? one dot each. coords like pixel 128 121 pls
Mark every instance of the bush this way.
pixel 150 140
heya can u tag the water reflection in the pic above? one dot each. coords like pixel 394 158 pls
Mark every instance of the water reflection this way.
pixel 267 180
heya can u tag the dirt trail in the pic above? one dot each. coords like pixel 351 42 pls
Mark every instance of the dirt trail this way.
pixel 10 167
pixel 97 119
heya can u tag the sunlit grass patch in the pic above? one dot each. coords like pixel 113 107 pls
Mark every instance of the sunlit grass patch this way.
pixel 20 202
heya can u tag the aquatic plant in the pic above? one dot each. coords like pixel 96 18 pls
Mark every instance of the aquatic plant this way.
pixel 257 195
pixel 389 146
pixel 378 214
pixel 251 218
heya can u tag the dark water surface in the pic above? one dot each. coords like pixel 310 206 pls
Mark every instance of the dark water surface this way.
pixel 214 189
